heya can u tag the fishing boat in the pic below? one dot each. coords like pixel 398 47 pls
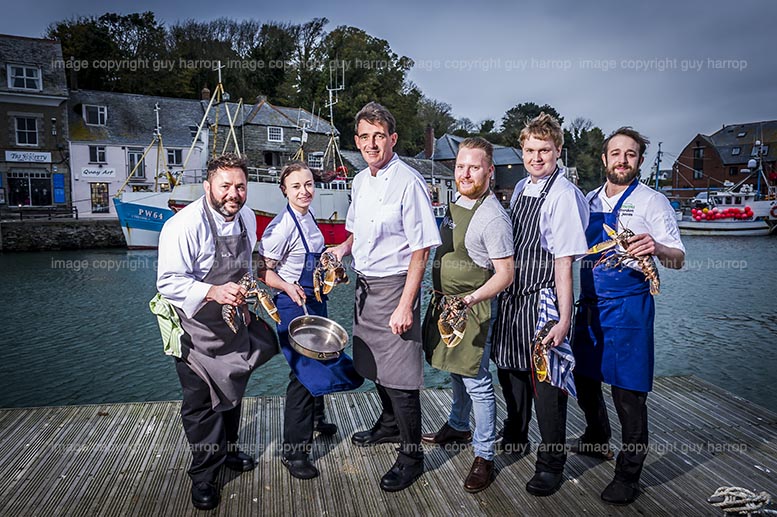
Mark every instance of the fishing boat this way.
pixel 732 213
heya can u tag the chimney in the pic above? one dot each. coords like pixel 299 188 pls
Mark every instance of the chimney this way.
pixel 205 93
pixel 429 142
pixel 73 80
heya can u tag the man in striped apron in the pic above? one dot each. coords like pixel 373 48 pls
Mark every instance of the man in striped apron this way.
pixel 613 340
pixel 393 228
pixel 549 216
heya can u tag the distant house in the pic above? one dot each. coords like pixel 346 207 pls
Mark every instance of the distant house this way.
pixel 111 134
pixel 439 178
pixel 33 105
pixel 508 162
pixel 270 135
pixel 709 161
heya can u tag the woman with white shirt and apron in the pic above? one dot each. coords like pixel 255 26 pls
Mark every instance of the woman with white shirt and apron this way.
pixel 290 249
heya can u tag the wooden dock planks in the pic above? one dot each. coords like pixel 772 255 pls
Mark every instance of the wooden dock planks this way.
pixel 131 459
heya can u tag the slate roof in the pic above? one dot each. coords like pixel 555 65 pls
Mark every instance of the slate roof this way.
pixel 447 146
pixel 131 118
pixel 33 52
pixel 422 165
pixel 726 139
pixel 263 113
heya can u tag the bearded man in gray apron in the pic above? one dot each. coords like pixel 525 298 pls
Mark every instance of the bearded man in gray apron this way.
pixel 204 250
pixel 474 261
pixel 393 227
pixel 549 215
pixel 613 340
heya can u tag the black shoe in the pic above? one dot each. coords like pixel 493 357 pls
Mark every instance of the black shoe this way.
pixel 620 492
pixel 204 496
pixel 325 428
pixel 446 435
pixel 374 436
pixel 401 476
pixel 544 483
pixel 600 451
pixel 239 461
pixel 300 468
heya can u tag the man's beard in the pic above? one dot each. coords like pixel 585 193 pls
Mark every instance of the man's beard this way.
pixel 623 178
pixel 475 190
pixel 220 207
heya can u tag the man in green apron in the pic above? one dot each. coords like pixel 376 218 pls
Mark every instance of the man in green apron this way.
pixel 474 261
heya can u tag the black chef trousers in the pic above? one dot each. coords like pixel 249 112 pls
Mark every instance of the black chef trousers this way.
pixel 402 412
pixel 210 433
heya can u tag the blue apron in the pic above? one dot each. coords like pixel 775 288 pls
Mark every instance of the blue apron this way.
pixel 613 339
pixel 319 377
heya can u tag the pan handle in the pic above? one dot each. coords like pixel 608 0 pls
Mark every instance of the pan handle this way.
pixel 304 302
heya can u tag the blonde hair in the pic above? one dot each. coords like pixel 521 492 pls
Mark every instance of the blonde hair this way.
pixel 544 127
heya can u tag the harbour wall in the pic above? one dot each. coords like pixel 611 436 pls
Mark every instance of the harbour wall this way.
pixel 61 234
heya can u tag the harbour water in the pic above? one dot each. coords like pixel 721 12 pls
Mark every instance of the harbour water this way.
pixel 76 328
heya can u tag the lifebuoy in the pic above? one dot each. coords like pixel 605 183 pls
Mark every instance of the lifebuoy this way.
pixel 773 211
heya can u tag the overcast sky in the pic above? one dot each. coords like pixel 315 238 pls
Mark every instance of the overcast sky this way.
pixel 671 69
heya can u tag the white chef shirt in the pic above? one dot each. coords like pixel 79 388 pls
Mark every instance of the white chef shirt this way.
pixel 187 250
pixel 281 241
pixel 563 215
pixel 390 217
pixel 644 211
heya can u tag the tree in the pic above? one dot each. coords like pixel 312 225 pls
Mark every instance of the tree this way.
pixel 437 114
pixel 583 142
pixel 515 120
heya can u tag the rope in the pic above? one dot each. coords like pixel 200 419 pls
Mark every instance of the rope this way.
pixel 736 500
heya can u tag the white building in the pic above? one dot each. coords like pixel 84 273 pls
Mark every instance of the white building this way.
pixel 112 133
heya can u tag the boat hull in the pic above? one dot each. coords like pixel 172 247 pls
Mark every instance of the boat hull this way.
pixel 727 228
pixel 141 216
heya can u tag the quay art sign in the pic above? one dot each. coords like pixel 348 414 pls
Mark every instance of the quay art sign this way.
pixel 27 156
pixel 97 172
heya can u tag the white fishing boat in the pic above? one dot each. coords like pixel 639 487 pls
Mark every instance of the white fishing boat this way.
pixel 738 213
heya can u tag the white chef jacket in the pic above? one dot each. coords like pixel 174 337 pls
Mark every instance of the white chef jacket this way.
pixel 563 215
pixel 187 250
pixel 644 211
pixel 281 241
pixel 390 217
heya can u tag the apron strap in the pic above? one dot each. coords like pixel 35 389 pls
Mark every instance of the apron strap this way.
pixel 299 228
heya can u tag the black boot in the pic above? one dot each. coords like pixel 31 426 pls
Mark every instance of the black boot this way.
pixel 205 496
pixel 401 475
pixel 378 434
pixel 300 467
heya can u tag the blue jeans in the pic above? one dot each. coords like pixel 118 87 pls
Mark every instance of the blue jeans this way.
pixel 478 393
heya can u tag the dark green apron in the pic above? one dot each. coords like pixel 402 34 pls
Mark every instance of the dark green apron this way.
pixel 455 273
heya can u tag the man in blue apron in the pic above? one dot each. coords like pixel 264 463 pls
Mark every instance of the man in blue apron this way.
pixel 204 250
pixel 475 262
pixel 549 217
pixel 393 228
pixel 613 339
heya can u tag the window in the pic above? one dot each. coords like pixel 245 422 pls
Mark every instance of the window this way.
pixel 26 131
pixel 741 134
pixel 735 151
pixel 175 157
pixel 24 77
pixel 95 115
pixel 275 134
pixel 100 201
pixel 316 162
pixel 97 154
pixel 764 150
pixel 698 174
pixel 135 158
pixel 698 152
pixel 29 188
pixel 732 171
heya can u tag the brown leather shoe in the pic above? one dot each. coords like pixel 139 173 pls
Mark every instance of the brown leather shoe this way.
pixel 480 475
pixel 447 435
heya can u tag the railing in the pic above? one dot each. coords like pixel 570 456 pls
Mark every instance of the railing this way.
pixel 39 212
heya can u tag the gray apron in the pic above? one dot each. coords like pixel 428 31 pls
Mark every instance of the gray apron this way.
pixel 391 360
pixel 223 359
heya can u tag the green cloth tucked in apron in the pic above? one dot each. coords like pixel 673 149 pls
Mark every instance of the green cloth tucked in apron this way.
pixel 455 273
pixel 169 324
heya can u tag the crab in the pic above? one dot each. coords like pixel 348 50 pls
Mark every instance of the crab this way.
pixel 256 297
pixel 328 273
pixel 453 319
